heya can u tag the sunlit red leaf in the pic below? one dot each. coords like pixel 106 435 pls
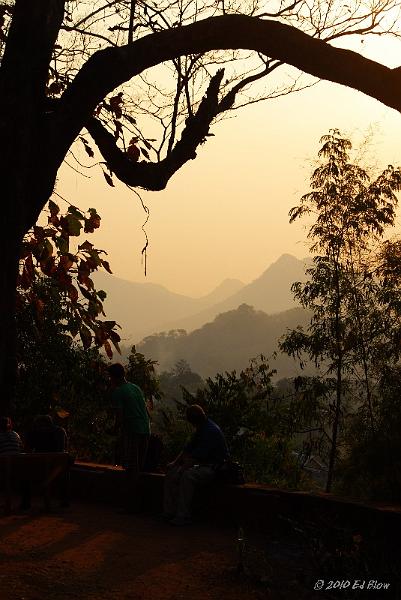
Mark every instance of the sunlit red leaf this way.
pixel 72 293
pixel 46 249
pixel 94 256
pixel 63 414
pixel 73 210
pixel 53 220
pixel 88 295
pixel 63 279
pixel 71 225
pixel 86 337
pixel 53 208
pixel 107 266
pixel 85 246
pixel 63 243
pixel 66 262
pixel 107 347
pixel 94 215
pixel 38 232
pixel 94 307
pixel 48 266
pixel 100 336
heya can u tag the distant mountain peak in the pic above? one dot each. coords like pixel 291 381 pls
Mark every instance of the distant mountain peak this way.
pixel 284 260
pixel 224 290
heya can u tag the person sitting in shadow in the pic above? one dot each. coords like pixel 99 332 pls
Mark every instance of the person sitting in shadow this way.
pixel 46 437
pixel 195 466
pixel 10 441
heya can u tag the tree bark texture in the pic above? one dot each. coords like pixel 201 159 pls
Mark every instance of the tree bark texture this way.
pixel 26 179
pixel 337 334
pixel 9 247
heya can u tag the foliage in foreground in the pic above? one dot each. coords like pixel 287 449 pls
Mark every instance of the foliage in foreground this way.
pixel 60 328
pixel 349 415
pixel 353 295
pixel 53 270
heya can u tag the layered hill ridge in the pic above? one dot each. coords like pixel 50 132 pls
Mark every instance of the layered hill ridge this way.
pixel 271 292
pixel 145 308
pixel 227 343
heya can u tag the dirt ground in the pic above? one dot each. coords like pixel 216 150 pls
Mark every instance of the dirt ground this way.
pixel 89 552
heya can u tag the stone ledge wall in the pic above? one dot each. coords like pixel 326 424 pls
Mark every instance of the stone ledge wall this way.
pixel 260 507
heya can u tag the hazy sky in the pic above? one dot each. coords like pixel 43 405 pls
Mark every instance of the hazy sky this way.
pixel 225 214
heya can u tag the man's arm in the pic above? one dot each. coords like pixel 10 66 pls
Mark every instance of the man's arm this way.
pixel 62 440
pixel 20 443
pixel 184 459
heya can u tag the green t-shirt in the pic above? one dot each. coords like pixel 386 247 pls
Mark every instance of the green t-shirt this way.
pixel 129 398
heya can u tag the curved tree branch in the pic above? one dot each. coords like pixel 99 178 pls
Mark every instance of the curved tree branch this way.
pixel 109 68
pixel 154 176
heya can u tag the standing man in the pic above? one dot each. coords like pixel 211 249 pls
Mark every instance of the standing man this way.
pixel 132 421
pixel 194 466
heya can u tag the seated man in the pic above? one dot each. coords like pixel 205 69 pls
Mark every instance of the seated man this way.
pixel 195 466
pixel 46 437
pixel 10 441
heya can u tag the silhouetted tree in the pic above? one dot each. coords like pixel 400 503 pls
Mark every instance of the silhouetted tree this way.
pixel 351 211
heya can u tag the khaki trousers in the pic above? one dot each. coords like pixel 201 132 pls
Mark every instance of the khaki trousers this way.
pixel 179 487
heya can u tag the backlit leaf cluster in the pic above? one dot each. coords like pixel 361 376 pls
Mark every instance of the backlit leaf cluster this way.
pixel 48 253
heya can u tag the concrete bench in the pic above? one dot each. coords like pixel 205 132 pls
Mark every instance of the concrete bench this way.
pixel 32 470
pixel 260 507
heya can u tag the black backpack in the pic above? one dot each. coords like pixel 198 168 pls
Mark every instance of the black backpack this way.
pixel 230 472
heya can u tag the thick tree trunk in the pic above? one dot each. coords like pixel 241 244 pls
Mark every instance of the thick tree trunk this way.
pixel 26 176
pixel 10 241
pixel 339 374
pixel 334 430
pixel 19 213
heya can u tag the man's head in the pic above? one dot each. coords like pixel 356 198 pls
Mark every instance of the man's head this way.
pixel 5 424
pixel 116 373
pixel 43 422
pixel 196 415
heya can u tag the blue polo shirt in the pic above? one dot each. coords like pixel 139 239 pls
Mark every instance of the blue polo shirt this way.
pixel 207 444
